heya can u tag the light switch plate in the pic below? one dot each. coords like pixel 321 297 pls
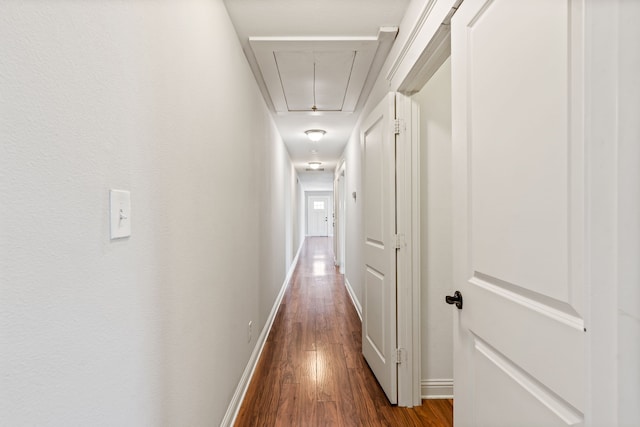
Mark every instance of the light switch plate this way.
pixel 120 207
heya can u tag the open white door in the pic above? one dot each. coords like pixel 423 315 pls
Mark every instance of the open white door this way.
pixel 519 224
pixel 379 302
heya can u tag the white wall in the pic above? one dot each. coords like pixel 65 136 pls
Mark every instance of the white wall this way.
pixel 302 210
pixel 275 215
pixel 354 225
pixel 297 212
pixel 628 268
pixel 153 97
pixel 435 232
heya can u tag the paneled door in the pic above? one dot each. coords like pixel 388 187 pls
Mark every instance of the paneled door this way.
pixel 379 299
pixel 519 213
pixel 318 216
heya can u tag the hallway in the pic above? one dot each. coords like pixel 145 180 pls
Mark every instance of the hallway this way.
pixel 311 371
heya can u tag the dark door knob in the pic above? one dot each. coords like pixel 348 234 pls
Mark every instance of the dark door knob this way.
pixel 455 299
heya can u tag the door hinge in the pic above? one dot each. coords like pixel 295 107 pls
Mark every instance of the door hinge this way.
pixel 399 355
pixel 400 242
pixel 397 126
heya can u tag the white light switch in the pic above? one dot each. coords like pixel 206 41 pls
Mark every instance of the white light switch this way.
pixel 120 206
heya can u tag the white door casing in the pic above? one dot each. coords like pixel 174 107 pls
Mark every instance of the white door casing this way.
pixel 318 216
pixel 339 196
pixel 519 213
pixel 379 299
pixel 407 176
pixel 336 197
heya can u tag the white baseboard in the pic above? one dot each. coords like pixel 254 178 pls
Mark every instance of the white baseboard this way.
pixel 354 300
pixel 437 389
pixel 241 390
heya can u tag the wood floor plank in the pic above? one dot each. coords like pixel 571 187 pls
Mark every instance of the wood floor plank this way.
pixel 327 415
pixel 331 364
pixel 288 406
pixel 311 371
pixel 308 391
pixel 363 403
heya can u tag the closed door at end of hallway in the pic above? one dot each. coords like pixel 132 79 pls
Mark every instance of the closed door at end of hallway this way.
pixel 318 216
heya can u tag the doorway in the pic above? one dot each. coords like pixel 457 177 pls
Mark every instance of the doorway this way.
pixel 339 217
pixel 319 214
pixel 435 236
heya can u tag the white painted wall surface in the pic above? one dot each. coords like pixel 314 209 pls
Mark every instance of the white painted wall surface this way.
pixel 301 202
pixel 276 223
pixel 353 213
pixel 297 216
pixel 155 98
pixel 628 215
pixel 435 232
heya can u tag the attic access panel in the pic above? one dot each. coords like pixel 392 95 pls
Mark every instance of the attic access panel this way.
pixel 328 72
pixel 338 66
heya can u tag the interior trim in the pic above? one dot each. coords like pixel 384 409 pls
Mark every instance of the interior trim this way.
pixel 241 390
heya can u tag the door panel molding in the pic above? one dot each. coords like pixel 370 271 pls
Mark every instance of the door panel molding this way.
pixel 519 214
pixel 537 390
pixel 379 303
pixel 557 310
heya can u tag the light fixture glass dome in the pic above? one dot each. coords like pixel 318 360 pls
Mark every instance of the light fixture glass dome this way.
pixel 315 134
pixel 314 165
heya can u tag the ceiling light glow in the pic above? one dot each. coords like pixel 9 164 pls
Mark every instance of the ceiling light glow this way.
pixel 315 134
pixel 314 165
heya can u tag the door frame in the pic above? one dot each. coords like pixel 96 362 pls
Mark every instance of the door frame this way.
pixel 339 215
pixel 412 62
pixel 408 255
pixel 611 160
pixel 327 196
pixel 410 75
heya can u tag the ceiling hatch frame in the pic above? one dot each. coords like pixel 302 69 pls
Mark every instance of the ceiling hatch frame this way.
pixel 289 66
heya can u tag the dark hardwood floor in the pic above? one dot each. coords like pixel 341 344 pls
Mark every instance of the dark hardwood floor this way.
pixel 311 371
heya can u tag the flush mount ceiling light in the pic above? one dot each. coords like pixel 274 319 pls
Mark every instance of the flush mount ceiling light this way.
pixel 315 135
pixel 314 165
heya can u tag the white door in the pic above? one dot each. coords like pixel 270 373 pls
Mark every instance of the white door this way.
pixel 379 302
pixel 519 215
pixel 318 216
